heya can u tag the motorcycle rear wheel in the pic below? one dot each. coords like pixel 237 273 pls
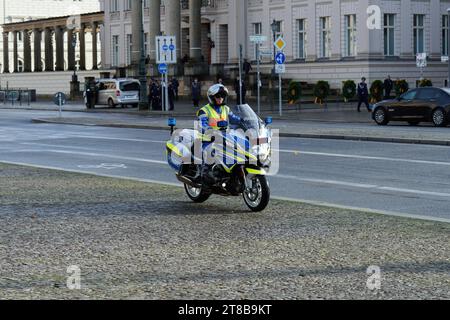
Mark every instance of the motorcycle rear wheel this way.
pixel 258 197
pixel 198 195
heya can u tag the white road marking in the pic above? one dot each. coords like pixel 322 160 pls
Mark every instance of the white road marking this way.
pixel 91 154
pixel 317 203
pixel 353 156
pixel 364 186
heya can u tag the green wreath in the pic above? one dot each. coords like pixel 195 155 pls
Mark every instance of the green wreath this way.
pixel 321 91
pixel 376 91
pixel 425 83
pixel 294 92
pixel 400 87
pixel 348 89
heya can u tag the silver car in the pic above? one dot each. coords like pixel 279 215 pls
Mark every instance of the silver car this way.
pixel 113 92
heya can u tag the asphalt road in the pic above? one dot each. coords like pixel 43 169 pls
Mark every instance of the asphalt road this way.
pixel 398 178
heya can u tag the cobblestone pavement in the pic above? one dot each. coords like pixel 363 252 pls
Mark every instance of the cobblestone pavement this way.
pixel 133 240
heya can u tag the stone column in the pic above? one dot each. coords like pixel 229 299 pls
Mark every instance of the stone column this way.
pixel 435 42
pixel 237 29
pixel 136 27
pixel 94 46
pixel 37 50
pixel 406 30
pixel 26 51
pixel 5 52
pixel 15 53
pixel 59 39
pixel 173 22
pixel 70 50
pixel 155 27
pixel 49 63
pixel 195 34
pixel 82 48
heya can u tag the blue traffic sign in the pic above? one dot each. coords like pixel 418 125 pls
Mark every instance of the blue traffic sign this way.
pixel 165 47
pixel 280 58
pixel 162 68
pixel 171 47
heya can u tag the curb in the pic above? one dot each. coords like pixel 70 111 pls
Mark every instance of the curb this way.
pixel 282 134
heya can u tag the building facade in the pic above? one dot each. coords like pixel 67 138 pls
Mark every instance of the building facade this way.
pixel 14 12
pixel 325 40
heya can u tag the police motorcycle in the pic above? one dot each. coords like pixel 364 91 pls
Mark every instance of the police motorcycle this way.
pixel 238 159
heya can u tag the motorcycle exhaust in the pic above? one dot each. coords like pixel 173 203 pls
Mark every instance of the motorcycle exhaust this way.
pixel 187 181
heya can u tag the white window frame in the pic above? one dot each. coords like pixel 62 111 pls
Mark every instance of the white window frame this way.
pixel 350 35
pixel 419 33
pixel 325 37
pixel 115 51
pixel 129 48
pixel 389 34
pixel 301 46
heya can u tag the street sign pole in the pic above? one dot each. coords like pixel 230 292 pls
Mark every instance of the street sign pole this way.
pixel 60 105
pixel 167 91
pixel 240 74
pixel 280 95
pixel 258 80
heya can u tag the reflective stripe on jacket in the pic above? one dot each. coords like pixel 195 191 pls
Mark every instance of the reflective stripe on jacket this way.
pixel 213 116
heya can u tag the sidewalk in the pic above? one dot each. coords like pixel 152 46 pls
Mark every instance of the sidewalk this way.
pixel 338 124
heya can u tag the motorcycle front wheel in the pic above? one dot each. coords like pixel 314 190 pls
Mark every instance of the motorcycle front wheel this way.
pixel 257 197
pixel 198 195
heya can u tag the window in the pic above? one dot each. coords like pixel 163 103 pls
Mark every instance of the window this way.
pixel 115 51
pixel 325 37
pixel 114 5
pixel 410 95
pixel 128 5
pixel 444 50
pixel 257 30
pixel 389 29
pixel 418 31
pixel 429 94
pixel 301 38
pixel 146 43
pixel 350 35
pixel 129 47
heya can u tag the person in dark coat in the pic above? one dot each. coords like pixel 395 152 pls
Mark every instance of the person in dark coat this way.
pixel 196 93
pixel 156 96
pixel 247 67
pixel 171 97
pixel 175 86
pixel 388 86
pixel 238 92
pixel 363 95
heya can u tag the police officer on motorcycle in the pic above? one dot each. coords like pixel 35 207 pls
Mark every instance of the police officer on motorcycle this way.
pixel 210 115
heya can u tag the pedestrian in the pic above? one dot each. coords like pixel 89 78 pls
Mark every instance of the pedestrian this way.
pixel 363 94
pixel 175 85
pixel 156 96
pixel 171 90
pixel 388 86
pixel 247 67
pixel 196 93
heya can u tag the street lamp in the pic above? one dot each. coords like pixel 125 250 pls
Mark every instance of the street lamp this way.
pixel 274 27
pixel 448 47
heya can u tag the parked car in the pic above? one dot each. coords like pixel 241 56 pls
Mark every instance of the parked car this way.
pixel 415 106
pixel 113 92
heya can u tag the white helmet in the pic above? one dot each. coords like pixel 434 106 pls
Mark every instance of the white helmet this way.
pixel 217 90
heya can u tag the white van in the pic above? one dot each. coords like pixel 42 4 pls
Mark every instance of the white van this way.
pixel 113 92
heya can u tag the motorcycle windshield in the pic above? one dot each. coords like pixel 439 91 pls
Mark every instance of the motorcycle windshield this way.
pixel 249 119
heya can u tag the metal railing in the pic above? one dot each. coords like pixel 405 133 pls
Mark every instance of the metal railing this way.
pixel 16 96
